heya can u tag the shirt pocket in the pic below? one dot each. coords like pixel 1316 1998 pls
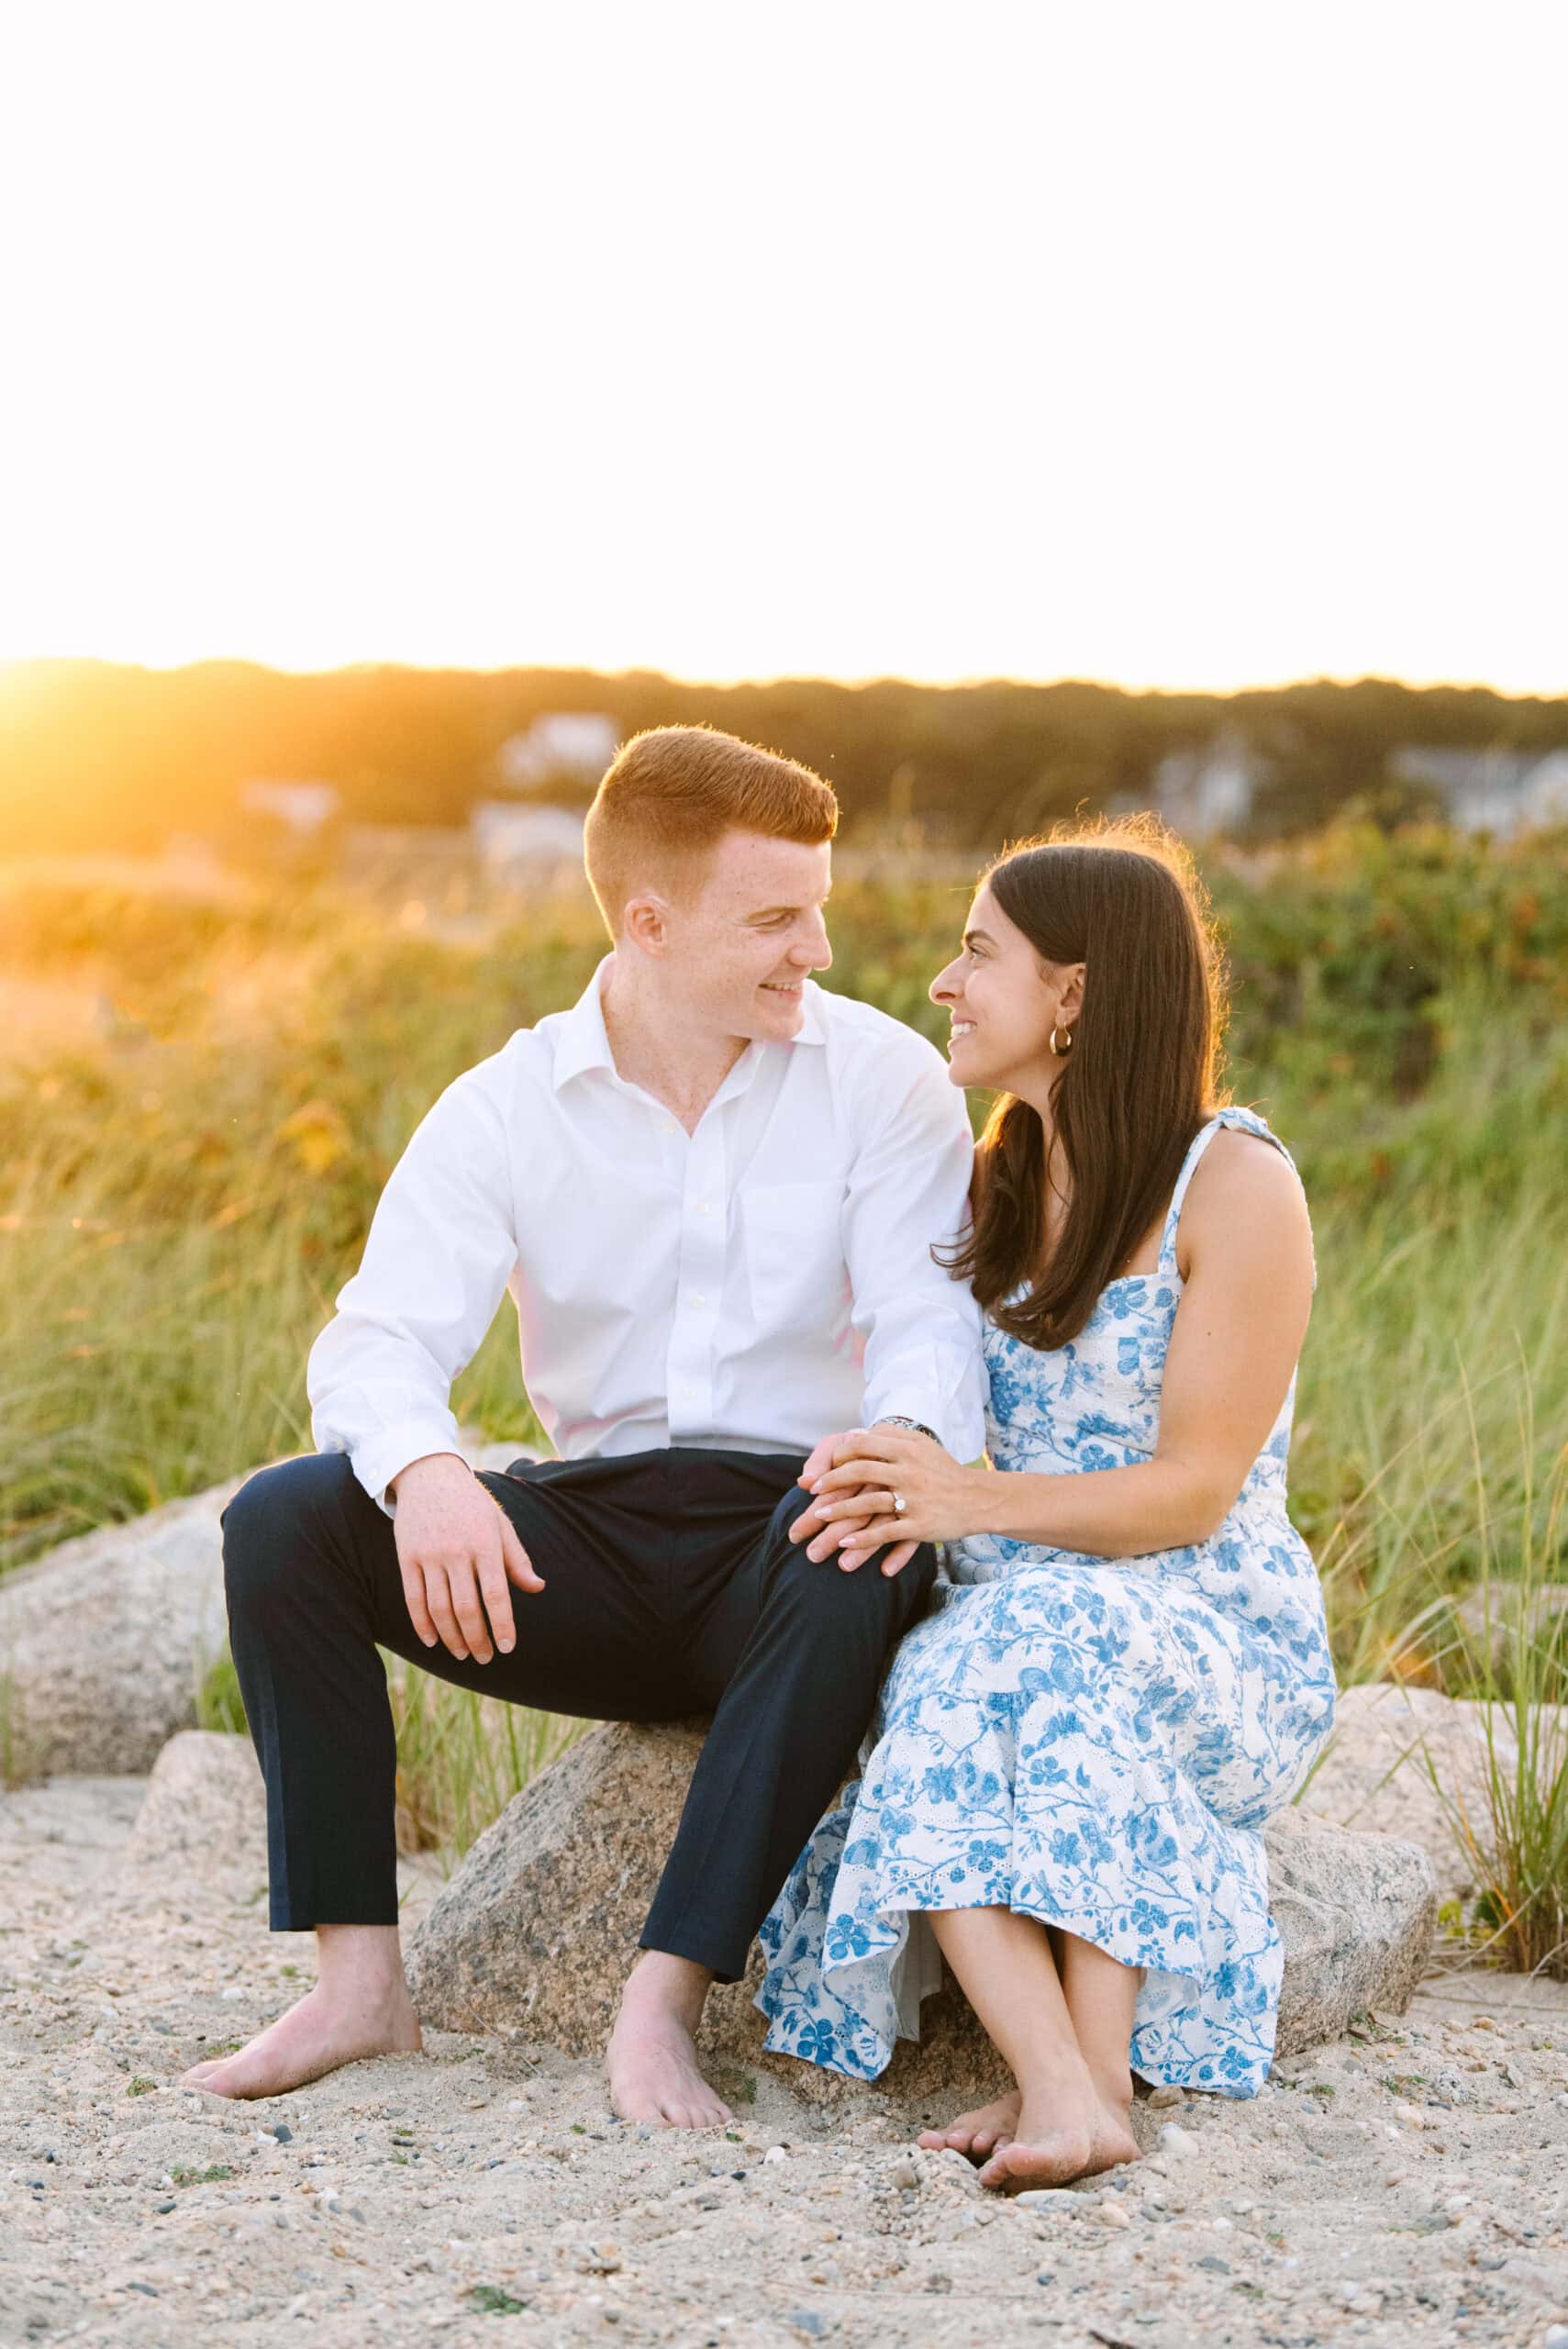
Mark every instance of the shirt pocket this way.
pixel 794 1253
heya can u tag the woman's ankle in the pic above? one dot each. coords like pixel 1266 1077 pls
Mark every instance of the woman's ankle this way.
pixel 1113 2086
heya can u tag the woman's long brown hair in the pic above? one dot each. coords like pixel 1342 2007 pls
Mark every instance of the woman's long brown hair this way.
pixel 1122 898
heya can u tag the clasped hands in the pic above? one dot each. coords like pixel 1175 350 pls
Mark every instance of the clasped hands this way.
pixel 858 1476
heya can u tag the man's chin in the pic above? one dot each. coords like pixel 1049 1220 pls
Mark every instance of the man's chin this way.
pixel 782 1008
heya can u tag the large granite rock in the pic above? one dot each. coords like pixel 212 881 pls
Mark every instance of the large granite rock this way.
pixel 534 1933
pixel 104 1641
pixel 203 1824
pixel 1395 1746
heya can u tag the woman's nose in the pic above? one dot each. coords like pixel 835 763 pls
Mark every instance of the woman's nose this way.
pixel 942 987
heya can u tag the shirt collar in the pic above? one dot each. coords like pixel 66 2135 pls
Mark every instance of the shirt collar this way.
pixel 582 1043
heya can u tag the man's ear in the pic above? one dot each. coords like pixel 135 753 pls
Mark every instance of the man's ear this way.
pixel 646 924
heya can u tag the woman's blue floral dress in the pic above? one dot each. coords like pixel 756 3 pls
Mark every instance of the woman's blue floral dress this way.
pixel 1094 1742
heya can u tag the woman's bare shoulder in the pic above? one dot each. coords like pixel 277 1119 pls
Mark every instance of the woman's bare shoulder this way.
pixel 1244 1189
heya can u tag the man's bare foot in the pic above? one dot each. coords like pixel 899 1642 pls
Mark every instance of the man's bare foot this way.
pixel 650 2063
pixel 979 2132
pixel 1061 2135
pixel 313 2037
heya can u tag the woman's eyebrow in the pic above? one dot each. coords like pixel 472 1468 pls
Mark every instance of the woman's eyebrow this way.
pixel 971 935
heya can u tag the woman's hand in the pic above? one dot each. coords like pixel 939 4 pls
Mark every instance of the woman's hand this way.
pixel 870 1467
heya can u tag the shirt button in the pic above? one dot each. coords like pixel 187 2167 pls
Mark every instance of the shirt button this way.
pixel 697 1298
pixel 703 1208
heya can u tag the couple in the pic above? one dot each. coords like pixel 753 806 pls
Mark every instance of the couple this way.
pixel 771 1303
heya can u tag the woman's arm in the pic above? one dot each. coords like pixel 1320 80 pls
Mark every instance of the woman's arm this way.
pixel 1245 1254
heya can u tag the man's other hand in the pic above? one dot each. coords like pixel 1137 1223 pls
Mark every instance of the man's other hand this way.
pixel 807 1526
pixel 458 1552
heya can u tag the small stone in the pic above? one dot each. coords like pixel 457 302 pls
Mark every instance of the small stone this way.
pixel 1047 2198
pixel 1163 2097
pixel 807 2320
pixel 1177 2140
pixel 936 2282
pixel 284 2133
pixel 774 2154
pixel 904 2176
pixel 232 1993
pixel 1412 2117
pixel 1556 2337
pixel 1111 2214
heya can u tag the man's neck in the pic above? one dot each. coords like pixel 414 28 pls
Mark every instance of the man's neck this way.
pixel 649 1049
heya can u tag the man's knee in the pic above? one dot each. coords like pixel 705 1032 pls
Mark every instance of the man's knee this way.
pixel 277 1519
pixel 827 1596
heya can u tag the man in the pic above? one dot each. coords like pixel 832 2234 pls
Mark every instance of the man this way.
pixel 712 1191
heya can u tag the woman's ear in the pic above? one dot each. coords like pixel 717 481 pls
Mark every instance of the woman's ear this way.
pixel 1072 992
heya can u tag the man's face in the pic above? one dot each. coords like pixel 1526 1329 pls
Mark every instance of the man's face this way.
pixel 741 947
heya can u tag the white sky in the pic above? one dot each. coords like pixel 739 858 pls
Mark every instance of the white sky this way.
pixel 1190 345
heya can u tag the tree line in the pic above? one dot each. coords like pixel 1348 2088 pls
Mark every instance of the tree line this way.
pixel 98 755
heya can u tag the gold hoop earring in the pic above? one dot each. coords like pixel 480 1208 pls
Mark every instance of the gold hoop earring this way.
pixel 1065 1046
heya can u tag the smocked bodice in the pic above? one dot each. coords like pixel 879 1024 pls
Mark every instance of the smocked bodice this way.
pixel 1093 1403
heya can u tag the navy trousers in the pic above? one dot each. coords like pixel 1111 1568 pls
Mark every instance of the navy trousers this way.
pixel 672 1589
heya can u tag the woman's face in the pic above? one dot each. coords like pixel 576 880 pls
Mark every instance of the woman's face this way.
pixel 1004 1002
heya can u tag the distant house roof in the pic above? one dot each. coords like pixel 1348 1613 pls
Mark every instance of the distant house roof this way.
pixel 1495 790
pixel 303 806
pixel 1209 790
pixel 579 744
pixel 505 834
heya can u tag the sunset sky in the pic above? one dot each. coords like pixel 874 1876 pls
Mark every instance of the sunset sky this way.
pixel 1193 346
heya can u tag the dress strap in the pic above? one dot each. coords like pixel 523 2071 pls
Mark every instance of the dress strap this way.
pixel 1245 1121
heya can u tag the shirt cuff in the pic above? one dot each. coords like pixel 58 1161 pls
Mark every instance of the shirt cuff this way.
pixel 959 1420
pixel 378 1458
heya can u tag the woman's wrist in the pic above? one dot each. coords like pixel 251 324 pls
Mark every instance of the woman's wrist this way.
pixel 1008 1501
pixel 984 1500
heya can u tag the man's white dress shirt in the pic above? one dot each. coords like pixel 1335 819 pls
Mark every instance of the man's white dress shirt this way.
pixel 751 1286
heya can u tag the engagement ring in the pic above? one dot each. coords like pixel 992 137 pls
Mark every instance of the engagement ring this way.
pixel 899 1504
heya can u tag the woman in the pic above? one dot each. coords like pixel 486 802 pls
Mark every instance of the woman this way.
pixel 1127 1668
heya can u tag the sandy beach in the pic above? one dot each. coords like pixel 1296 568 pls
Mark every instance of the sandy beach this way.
pixel 1408 2184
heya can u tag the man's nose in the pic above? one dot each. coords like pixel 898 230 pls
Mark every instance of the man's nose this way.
pixel 814 953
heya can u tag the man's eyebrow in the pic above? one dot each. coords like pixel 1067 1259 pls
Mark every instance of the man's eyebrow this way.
pixel 766 913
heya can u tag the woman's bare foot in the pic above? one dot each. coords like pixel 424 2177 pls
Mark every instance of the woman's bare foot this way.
pixel 1061 2135
pixel 979 2132
pixel 650 2063
pixel 315 2036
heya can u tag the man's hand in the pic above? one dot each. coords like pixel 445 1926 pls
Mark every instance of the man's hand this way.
pixel 456 1548
pixel 809 1526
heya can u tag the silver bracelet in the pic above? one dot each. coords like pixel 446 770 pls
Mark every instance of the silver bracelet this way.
pixel 916 1427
